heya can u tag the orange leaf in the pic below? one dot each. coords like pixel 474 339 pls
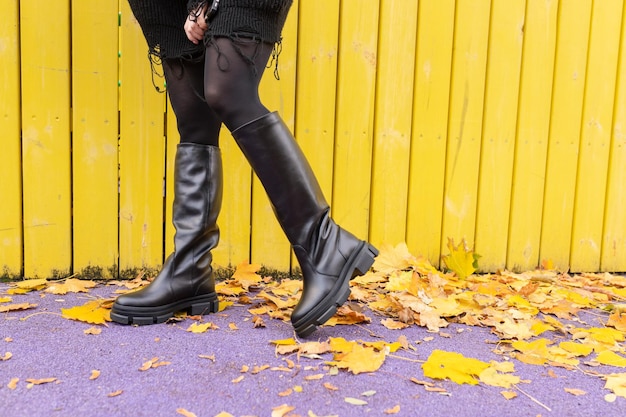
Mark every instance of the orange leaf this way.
pixel 185 413
pixel 394 410
pixel 575 391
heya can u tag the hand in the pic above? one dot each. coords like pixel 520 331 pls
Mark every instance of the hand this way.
pixel 196 25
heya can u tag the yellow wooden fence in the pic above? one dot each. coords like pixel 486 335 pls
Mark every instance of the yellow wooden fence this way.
pixel 499 121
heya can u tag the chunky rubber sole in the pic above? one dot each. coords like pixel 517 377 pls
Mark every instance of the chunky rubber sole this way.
pixel 359 263
pixel 199 305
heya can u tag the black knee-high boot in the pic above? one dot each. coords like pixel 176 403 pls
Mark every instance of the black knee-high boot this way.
pixel 186 281
pixel 328 255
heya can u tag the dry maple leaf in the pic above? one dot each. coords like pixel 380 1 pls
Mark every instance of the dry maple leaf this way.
pixel 360 359
pixel 392 259
pixel 90 312
pixel 461 260
pixel 200 327
pixel 70 285
pixel 246 275
pixel 16 307
pixel 258 321
pixel 453 366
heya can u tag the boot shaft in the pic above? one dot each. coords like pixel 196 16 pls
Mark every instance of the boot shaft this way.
pixel 279 163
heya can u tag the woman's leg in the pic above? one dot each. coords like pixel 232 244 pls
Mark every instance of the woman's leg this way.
pixel 196 121
pixel 232 74
pixel 186 279
pixel 328 255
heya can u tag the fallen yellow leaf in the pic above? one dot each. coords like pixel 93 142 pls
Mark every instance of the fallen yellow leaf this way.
pixel 611 358
pixel 453 366
pixel 90 312
pixel 200 327
pixel 15 307
pixel 282 410
pixel 509 395
pixel 70 285
pixel 461 260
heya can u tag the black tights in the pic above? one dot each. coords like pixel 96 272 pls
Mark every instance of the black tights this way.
pixel 228 78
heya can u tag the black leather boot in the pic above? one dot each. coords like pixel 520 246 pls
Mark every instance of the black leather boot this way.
pixel 328 255
pixel 186 281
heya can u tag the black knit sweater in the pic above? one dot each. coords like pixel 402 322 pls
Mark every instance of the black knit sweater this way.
pixel 162 23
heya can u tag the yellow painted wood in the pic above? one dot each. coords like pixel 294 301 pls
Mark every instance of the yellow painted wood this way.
pixel 564 139
pixel 316 91
pixel 141 153
pixel 392 125
pixel 10 161
pixel 532 134
pixel 172 139
pixel 433 61
pixel 465 120
pixel 354 127
pixel 94 155
pixel 506 38
pixel 589 206
pixel 45 60
pixel 269 246
pixel 614 236
pixel 234 218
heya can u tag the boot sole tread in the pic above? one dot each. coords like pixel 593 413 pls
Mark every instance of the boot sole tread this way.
pixel 159 314
pixel 359 263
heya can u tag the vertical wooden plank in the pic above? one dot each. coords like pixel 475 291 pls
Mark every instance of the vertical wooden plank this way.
pixel 614 237
pixel 234 219
pixel 567 103
pixel 45 49
pixel 498 143
pixel 433 60
pixel 392 125
pixel 141 155
pixel 465 120
pixel 532 133
pixel 593 159
pixel 269 246
pixel 172 138
pixel 10 163
pixel 94 103
pixel 356 88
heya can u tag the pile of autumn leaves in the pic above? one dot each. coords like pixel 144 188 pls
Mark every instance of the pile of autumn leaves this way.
pixel 406 290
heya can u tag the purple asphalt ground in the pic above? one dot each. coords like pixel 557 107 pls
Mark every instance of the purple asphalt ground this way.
pixel 45 345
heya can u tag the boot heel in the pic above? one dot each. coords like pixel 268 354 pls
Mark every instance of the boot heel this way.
pixel 365 259
pixel 199 309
